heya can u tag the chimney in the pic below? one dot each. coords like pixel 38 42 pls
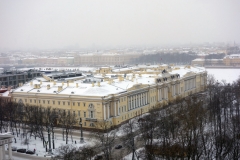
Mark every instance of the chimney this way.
pixel 92 84
pixel 110 81
pixel 77 85
pixel 62 83
pixel 31 83
pixel 54 82
pixel 48 86
pixel 35 86
pixel 9 88
pixel 67 83
pixel 40 82
pixel 119 77
pixel 98 84
pixel 38 86
pixel 59 88
pixel 20 84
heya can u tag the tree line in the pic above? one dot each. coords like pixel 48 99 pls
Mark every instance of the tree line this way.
pixel 35 121
pixel 176 58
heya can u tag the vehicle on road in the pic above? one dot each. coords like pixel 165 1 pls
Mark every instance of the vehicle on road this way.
pixel 118 146
pixel 30 152
pixel 21 150
pixel 14 148
pixel 98 157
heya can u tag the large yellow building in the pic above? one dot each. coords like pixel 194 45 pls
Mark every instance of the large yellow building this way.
pixel 115 96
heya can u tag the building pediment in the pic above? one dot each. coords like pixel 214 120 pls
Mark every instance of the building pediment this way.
pixel 137 86
pixel 189 74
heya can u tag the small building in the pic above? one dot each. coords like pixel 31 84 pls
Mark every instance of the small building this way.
pixel 6 138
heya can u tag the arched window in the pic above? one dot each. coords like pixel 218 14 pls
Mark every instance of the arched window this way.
pixel 91 111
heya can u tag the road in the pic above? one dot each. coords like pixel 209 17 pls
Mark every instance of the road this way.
pixel 24 156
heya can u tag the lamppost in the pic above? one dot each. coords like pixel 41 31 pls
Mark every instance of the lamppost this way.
pixel 52 124
pixel 81 138
pixel 49 141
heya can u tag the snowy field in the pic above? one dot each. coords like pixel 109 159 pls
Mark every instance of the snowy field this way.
pixel 229 75
pixel 38 145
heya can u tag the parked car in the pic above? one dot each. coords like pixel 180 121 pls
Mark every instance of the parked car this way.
pixel 118 146
pixel 14 148
pixel 21 150
pixel 98 157
pixel 30 152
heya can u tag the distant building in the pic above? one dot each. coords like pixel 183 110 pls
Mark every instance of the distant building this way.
pixel 4 60
pixel 229 60
pixel 95 59
pixel 13 78
pixel 232 60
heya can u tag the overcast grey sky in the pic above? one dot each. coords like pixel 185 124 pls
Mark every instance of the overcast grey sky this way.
pixel 46 24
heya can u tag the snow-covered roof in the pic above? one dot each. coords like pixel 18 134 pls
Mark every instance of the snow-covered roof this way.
pixel 112 86
pixel 233 56
pixel 198 59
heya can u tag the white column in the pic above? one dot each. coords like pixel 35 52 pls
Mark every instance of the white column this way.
pixel 118 107
pixel 108 110
pixel 146 95
pixel 135 101
pixel 10 151
pixel 139 100
pixel 3 152
pixel 1 156
pixel 104 112
pixel 115 107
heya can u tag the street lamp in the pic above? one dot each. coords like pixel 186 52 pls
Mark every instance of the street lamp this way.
pixel 81 138
pixel 54 116
pixel 49 141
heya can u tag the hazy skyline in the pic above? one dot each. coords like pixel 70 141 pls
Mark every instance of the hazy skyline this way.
pixel 44 24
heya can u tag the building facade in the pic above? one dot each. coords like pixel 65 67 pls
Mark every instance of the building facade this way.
pixel 13 78
pixel 114 97
pixel 94 59
pixel 229 60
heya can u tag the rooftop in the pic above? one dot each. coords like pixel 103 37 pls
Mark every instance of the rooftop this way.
pixel 112 84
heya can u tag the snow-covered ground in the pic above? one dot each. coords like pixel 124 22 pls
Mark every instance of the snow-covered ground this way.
pixel 220 74
pixel 138 152
pixel 38 144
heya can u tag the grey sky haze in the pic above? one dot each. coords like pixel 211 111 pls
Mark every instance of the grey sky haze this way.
pixel 45 24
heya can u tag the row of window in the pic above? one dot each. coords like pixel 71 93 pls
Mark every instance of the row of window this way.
pixel 123 109
pixel 53 102
pixel 123 99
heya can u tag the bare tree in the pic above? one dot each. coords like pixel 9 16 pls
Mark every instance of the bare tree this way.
pixel 105 137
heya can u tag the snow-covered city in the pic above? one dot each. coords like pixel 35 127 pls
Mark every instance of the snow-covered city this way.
pixel 119 80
